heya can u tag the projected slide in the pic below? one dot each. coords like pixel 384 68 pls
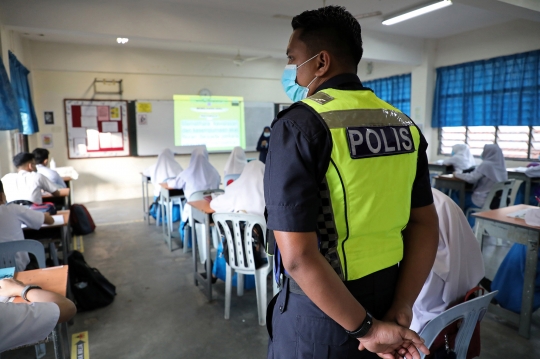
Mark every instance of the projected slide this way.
pixel 217 122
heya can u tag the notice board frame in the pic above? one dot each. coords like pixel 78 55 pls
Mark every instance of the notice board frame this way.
pixel 77 135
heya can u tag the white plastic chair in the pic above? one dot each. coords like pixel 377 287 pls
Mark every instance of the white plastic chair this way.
pixel 505 187
pixel 241 257
pixel 470 312
pixel 199 232
pixel 227 178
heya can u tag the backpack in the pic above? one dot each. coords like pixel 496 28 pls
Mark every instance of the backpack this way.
pixel 91 290
pixel 80 219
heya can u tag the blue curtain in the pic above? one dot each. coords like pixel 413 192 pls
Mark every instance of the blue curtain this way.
pixel 503 91
pixel 395 90
pixel 9 109
pixel 19 83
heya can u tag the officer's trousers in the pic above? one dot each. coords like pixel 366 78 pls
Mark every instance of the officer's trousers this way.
pixel 298 329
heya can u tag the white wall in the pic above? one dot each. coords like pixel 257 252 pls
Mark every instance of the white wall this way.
pixel 63 71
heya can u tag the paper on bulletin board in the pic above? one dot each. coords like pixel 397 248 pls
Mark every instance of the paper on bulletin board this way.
pixel 103 113
pixel 144 107
pixel 79 145
pixel 88 121
pixel 116 140
pixel 47 140
pixel 92 136
pixel 109 126
pixel 89 111
pixel 105 140
pixel 115 114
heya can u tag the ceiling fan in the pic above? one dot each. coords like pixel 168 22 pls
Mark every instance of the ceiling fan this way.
pixel 238 60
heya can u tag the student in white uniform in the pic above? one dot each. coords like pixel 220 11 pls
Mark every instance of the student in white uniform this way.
pixel 41 156
pixel 236 162
pixel 462 158
pixel 165 168
pixel 492 170
pixel 24 324
pixel 458 266
pixel 11 218
pixel 27 184
pixel 246 194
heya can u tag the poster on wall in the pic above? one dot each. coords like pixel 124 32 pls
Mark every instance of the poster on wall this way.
pixel 47 140
pixel 48 116
pixel 96 128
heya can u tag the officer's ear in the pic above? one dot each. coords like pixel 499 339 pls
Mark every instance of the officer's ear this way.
pixel 323 63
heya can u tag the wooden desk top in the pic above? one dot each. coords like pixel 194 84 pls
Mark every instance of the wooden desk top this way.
pixel 64 192
pixel 501 216
pixel 53 279
pixel 66 179
pixel 202 205
pixel 449 177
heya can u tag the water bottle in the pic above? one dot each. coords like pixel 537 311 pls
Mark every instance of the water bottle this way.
pixel 52 164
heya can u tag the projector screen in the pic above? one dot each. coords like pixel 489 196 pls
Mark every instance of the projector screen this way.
pixel 217 122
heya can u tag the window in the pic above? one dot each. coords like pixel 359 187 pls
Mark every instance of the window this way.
pixel 516 142
pixel 396 90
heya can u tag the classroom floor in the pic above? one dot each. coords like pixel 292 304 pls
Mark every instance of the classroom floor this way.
pixel 159 313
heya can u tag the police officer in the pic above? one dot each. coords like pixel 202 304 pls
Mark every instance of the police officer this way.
pixel 348 198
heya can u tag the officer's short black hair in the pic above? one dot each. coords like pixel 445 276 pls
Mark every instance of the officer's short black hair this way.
pixel 40 154
pixel 22 158
pixel 331 28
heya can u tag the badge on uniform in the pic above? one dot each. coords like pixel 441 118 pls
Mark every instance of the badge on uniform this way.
pixel 365 142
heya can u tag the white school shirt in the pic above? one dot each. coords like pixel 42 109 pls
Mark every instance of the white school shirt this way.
pixel 26 185
pixel 24 324
pixel 11 218
pixel 52 175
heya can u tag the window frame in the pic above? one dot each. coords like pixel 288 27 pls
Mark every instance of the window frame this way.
pixel 529 144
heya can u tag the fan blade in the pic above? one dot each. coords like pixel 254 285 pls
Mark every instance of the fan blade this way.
pixel 256 58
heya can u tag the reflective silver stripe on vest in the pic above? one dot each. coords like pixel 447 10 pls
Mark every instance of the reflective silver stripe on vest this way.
pixel 367 118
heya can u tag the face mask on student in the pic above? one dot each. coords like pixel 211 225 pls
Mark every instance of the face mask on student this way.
pixel 266 134
pixel 288 80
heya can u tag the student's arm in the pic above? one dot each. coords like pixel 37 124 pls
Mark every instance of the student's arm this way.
pixel 13 288
pixel 48 218
pixel 47 185
pixel 471 177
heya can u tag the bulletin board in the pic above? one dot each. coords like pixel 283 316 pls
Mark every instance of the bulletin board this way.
pixel 96 128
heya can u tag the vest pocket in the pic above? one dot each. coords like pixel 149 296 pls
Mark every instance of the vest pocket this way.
pixel 320 338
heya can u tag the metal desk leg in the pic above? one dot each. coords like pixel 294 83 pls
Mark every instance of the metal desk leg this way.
pixel 193 247
pixel 528 287
pixel 143 198
pixel 527 190
pixel 209 260
pixel 147 210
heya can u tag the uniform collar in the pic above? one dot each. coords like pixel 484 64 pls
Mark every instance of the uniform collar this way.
pixel 339 81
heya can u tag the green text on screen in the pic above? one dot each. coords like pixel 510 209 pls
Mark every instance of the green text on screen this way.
pixel 217 122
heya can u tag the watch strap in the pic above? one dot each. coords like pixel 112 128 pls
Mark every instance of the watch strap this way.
pixel 28 288
pixel 363 329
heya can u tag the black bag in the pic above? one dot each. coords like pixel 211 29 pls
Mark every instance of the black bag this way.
pixel 91 290
pixel 80 220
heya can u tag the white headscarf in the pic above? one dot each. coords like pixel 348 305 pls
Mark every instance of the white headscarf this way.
pixel 493 166
pixel 166 167
pixel 244 194
pixel 458 265
pixel 236 162
pixel 462 157
pixel 200 174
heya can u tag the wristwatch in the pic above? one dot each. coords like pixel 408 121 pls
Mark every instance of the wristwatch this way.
pixel 364 327
pixel 26 289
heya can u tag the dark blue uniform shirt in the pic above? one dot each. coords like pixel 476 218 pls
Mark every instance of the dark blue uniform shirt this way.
pixel 297 161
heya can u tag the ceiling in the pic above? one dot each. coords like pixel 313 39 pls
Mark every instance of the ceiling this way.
pixel 224 27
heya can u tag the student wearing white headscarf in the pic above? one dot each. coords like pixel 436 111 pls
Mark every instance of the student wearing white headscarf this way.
pixel 200 175
pixel 236 162
pixel 165 168
pixel 492 170
pixel 462 158
pixel 458 266
pixel 245 194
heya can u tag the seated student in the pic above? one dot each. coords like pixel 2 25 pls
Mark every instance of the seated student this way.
pixel 510 277
pixel 27 184
pixel 200 175
pixel 492 170
pixel 458 266
pixel 462 158
pixel 246 194
pixel 236 162
pixel 165 168
pixel 25 324
pixel 41 156
pixel 262 144
pixel 11 218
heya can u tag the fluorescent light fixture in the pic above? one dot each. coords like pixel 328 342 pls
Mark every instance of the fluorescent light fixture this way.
pixel 122 40
pixel 424 9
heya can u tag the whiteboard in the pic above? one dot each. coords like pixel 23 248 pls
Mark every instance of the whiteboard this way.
pixel 155 128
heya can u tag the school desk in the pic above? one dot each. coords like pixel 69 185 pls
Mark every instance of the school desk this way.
pixel 69 184
pixel 448 181
pixel 62 199
pixel 166 198
pixel 515 173
pixel 440 168
pixel 496 223
pixel 54 231
pixel 201 212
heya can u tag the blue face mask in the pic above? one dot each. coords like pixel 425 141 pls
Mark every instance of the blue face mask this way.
pixel 288 80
